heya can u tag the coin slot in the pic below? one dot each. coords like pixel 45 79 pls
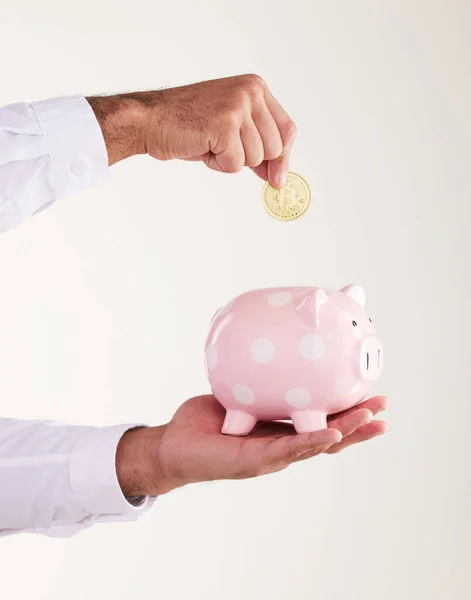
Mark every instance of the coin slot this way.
pixel 367 361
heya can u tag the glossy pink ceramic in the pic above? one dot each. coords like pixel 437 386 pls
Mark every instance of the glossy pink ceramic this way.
pixel 292 353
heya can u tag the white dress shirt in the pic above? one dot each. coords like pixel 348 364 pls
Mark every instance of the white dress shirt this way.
pixel 55 479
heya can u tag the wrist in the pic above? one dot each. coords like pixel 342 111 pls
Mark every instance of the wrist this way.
pixel 137 465
pixel 123 120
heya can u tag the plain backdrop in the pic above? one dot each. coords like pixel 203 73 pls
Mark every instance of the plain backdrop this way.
pixel 106 297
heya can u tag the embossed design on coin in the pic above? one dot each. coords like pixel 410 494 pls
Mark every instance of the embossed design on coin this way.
pixel 290 202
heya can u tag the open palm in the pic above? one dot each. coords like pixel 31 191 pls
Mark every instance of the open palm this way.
pixel 193 449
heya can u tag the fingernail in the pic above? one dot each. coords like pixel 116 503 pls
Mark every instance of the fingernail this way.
pixel 282 180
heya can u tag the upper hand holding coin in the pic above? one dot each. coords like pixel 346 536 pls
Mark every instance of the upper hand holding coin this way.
pixel 226 123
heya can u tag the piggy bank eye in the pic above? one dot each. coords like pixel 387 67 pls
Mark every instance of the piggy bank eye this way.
pixel 354 323
pixel 371 321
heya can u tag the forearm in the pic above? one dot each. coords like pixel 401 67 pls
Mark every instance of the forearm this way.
pixel 123 120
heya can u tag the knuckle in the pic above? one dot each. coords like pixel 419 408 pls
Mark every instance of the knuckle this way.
pixel 289 130
pixel 245 93
pixel 255 160
pixel 234 164
pixel 159 154
pixel 259 160
pixel 231 121
pixel 274 149
pixel 252 82
pixel 240 102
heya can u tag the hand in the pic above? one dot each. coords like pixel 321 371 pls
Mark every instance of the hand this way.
pixel 226 123
pixel 191 447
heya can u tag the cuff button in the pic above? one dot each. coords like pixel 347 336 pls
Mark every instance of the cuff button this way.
pixel 78 167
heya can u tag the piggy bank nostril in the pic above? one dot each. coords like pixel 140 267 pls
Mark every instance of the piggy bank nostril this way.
pixel 367 361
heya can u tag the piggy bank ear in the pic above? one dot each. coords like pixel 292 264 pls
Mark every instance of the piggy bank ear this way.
pixel 309 305
pixel 356 292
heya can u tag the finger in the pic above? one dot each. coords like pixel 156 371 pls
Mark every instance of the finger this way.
pixel 287 448
pixel 230 159
pixel 375 405
pixel 269 133
pixel 347 424
pixel 252 143
pixel 278 168
pixel 363 434
pixel 262 170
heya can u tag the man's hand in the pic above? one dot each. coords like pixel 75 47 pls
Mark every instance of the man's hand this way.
pixel 191 447
pixel 226 123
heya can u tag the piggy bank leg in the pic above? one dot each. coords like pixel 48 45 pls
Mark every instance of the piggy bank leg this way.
pixel 238 422
pixel 305 421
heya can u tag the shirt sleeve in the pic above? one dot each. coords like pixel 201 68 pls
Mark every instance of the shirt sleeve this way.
pixel 57 479
pixel 48 150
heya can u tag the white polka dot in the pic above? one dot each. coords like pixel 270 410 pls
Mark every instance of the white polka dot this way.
pixel 243 394
pixel 262 350
pixel 211 356
pixel 312 346
pixel 280 299
pixel 298 397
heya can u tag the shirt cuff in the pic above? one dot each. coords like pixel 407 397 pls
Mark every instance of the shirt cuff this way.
pixel 93 473
pixel 74 142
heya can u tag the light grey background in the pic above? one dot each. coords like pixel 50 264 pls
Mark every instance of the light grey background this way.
pixel 105 298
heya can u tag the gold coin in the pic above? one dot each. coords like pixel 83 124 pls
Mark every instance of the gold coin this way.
pixel 289 202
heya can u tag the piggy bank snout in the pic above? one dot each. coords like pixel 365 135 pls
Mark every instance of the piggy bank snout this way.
pixel 371 359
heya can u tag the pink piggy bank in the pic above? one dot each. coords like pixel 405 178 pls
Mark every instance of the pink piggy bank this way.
pixel 292 353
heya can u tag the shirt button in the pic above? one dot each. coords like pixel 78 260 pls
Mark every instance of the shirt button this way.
pixel 78 167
